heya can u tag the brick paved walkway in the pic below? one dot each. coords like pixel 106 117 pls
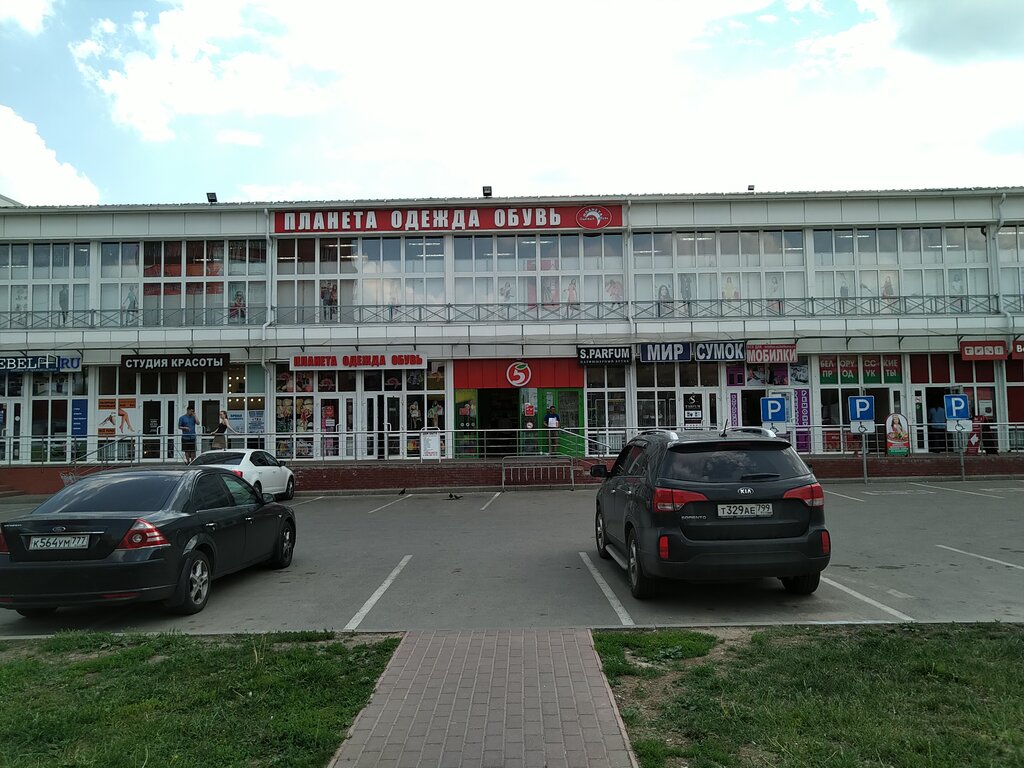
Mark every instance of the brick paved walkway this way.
pixel 490 699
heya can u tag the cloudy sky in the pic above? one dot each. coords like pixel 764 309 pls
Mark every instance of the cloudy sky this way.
pixel 154 101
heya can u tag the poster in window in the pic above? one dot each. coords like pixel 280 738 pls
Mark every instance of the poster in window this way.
pixel 892 369
pixel 848 373
pixel 872 369
pixel 827 371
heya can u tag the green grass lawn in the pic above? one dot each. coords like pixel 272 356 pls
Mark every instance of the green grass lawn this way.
pixel 906 696
pixel 82 699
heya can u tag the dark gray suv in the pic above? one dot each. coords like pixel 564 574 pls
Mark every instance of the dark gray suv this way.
pixel 712 506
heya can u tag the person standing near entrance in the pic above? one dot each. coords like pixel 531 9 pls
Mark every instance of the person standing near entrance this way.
pixel 220 439
pixel 188 424
pixel 937 429
pixel 552 422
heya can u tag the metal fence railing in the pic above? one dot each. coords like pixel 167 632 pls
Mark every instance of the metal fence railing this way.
pixel 486 444
pixel 534 312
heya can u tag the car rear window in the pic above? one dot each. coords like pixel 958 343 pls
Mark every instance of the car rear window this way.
pixel 111 495
pixel 231 458
pixel 732 462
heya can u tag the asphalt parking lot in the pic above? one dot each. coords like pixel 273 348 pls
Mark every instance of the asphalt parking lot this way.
pixel 902 551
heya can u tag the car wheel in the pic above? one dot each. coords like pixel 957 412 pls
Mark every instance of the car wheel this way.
pixel 36 613
pixel 284 548
pixel 193 585
pixel 289 492
pixel 804 584
pixel 599 534
pixel 640 584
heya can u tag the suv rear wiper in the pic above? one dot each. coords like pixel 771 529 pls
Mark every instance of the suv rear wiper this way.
pixel 760 476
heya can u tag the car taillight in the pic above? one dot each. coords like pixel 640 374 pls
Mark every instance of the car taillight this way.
pixel 237 472
pixel 674 499
pixel 3 544
pixel 826 543
pixel 143 534
pixel 812 495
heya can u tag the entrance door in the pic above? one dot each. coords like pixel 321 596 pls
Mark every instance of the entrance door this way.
pixel 10 419
pixel 158 428
pixel 337 427
pixel 384 426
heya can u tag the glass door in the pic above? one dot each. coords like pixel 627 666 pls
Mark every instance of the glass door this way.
pixel 384 426
pixel 158 429
pixel 10 418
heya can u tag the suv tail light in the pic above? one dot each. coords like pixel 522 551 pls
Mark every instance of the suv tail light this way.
pixel 674 499
pixel 826 543
pixel 812 495
pixel 143 534
pixel 4 549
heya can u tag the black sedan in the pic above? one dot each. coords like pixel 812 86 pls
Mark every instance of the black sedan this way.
pixel 140 535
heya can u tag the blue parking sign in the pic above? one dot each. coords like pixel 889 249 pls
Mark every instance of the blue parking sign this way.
pixel 957 408
pixel 773 409
pixel 862 407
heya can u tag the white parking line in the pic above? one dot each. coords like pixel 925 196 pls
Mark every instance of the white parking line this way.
pixel 957 490
pixel 307 501
pixel 844 496
pixel 485 506
pixel 868 600
pixel 981 557
pixel 382 506
pixel 619 609
pixel 368 605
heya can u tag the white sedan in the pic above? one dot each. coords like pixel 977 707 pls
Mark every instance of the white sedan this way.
pixel 258 468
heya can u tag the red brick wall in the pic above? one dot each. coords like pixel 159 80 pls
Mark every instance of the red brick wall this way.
pixel 461 474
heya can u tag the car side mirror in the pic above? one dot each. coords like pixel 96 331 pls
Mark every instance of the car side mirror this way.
pixel 280 462
pixel 599 470
pixel 269 498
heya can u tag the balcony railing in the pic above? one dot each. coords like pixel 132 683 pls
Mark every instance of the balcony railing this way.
pixel 386 314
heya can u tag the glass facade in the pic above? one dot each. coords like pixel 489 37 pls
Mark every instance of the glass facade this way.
pixel 519 292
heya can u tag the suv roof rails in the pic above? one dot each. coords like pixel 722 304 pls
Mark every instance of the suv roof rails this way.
pixel 752 431
pixel 670 433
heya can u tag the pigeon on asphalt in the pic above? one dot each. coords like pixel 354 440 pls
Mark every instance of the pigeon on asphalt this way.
pixel 401 492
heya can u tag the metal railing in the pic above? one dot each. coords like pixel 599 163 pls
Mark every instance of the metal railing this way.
pixel 541 445
pixel 514 313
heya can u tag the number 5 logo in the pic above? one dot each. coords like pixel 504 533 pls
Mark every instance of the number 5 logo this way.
pixel 518 374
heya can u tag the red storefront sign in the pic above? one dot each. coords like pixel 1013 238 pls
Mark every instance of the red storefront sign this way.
pixel 447 219
pixel 1018 350
pixel 771 353
pixel 357 362
pixel 983 350
pixel 492 374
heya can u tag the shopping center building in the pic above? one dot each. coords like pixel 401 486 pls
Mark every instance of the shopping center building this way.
pixel 370 330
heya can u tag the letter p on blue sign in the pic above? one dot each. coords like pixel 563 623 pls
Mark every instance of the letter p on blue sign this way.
pixel 957 408
pixel 862 408
pixel 773 409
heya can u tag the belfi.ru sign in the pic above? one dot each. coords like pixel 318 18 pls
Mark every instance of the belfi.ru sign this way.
pixel 684 351
pixel 29 363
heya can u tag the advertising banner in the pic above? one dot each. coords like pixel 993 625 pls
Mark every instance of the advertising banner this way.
pixel 117 417
pixel 848 369
pixel 871 366
pixel 897 435
pixel 428 219
pixel 802 406
pixel 892 369
pixel 828 373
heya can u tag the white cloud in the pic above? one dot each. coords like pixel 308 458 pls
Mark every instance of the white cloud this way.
pixel 402 99
pixel 30 171
pixel 241 138
pixel 30 15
